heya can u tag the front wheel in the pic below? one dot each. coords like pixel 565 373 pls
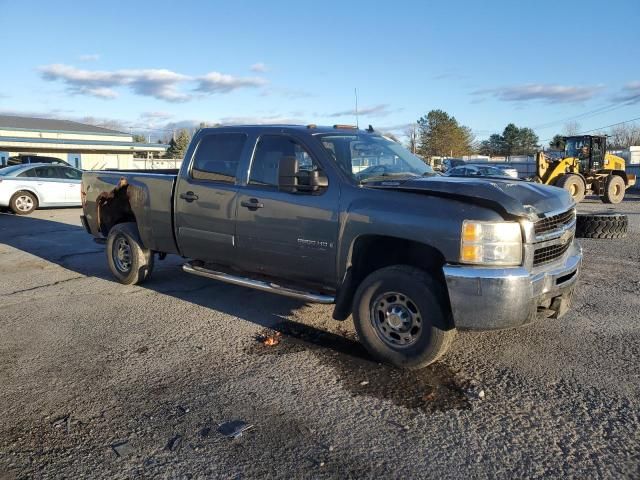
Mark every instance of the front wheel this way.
pixel 23 203
pixel 574 184
pixel 129 261
pixel 402 317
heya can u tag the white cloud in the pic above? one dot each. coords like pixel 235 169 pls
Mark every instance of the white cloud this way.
pixel 542 92
pixel 373 111
pixel 162 84
pixel 101 92
pixel 259 67
pixel 630 93
pixel 155 116
pixel 215 82
pixel 89 57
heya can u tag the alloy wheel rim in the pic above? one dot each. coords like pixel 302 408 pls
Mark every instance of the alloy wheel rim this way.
pixel 24 203
pixel 122 255
pixel 396 319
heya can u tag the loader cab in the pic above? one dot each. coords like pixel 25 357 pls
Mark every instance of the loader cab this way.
pixel 589 150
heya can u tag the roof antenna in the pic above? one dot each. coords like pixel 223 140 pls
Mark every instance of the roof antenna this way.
pixel 355 91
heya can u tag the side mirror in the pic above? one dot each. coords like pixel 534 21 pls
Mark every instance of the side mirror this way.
pixel 292 180
pixel 288 174
pixel 316 180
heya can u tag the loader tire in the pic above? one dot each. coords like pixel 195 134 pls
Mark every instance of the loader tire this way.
pixel 614 189
pixel 574 184
pixel 601 225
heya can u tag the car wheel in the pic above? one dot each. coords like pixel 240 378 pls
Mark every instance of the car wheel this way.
pixel 23 203
pixel 402 317
pixel 129 261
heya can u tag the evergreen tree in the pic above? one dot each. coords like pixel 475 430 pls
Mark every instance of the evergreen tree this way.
pixel 178 145
pixel 557 143
pixel 439 134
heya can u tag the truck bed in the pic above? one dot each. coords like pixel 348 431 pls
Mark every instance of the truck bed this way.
pixel 143 196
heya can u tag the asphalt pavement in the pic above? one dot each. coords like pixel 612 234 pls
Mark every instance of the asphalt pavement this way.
pixel 102 380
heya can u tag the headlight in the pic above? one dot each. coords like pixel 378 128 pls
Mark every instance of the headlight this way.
pixel 491 243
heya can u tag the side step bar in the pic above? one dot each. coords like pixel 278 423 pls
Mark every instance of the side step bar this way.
pixel 265 286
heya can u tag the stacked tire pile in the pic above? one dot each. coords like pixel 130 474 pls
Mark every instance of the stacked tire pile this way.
pixel 601 225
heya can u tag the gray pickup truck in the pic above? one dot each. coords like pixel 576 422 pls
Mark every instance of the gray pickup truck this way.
pixel 344 216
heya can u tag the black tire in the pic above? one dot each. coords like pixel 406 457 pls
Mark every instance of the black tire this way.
pixel 601 225
pixel 128 260
pixel 574 184
pixel 23 203
pixel 423 297
pixel 614 189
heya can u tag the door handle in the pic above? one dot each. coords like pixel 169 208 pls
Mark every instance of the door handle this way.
pixel 189 196
pixel 252 204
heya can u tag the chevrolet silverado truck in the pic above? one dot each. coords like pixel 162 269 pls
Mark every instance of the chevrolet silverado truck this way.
pixel 344 216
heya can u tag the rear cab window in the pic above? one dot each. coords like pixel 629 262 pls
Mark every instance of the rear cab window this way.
pixel 217 157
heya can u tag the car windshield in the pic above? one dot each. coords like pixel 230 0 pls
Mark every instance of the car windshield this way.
pixel 368 158
pixel 8 171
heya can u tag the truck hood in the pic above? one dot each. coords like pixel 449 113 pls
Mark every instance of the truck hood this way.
pixel 509 197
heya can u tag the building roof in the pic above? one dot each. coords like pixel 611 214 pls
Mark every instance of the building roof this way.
pixel 4 141
pixel 50 124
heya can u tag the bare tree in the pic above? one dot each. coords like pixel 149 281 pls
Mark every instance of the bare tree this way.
pixel 572 128
pixel 624 136
pixel 411 132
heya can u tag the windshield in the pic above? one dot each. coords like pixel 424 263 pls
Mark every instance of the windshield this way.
pixel 7 171
pixel 576 146
pixel 368 158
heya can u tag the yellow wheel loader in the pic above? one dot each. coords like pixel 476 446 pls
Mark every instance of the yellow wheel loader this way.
pixel 586 168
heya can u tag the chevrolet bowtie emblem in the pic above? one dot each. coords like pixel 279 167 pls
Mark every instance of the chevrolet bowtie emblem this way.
pixel 566 236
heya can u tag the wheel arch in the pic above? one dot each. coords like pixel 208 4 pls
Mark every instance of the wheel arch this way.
pixel 28 190
pixel 114 207
pixel 371 252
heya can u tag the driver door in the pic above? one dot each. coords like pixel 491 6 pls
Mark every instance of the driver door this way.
pixel 282 234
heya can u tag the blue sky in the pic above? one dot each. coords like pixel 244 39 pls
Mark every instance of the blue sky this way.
pixel 160 64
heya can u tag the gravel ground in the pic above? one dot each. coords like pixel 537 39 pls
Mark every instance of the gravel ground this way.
pixel 103 380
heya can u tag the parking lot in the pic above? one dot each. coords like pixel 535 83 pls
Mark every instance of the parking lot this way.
pixel 102 379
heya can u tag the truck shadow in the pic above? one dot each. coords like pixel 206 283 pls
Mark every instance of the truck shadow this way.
pixel 69 246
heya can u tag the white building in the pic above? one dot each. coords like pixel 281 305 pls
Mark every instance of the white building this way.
pixel 83 146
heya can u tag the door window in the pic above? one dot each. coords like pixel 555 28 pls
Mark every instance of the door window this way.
pixel 28 173
pixel 217 157
pixel 47 172
pixel 69 173
pixel 266 160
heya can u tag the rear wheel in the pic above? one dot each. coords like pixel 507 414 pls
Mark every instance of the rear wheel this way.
pixel 128 260
pixel 574 184
pixel 23 203
pixel 402 317
pixel 614 189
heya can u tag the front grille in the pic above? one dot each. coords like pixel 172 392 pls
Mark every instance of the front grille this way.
pixel 555 222
pixel 550 253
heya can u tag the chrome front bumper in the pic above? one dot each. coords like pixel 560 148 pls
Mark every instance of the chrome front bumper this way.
pixel 494 298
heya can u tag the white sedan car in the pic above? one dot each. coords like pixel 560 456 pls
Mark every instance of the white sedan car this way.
pixel 23 188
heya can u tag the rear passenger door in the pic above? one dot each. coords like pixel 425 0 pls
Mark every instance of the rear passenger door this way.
pixel 51 188
pixel 281 234
pixel 206 194
pixel 72 179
